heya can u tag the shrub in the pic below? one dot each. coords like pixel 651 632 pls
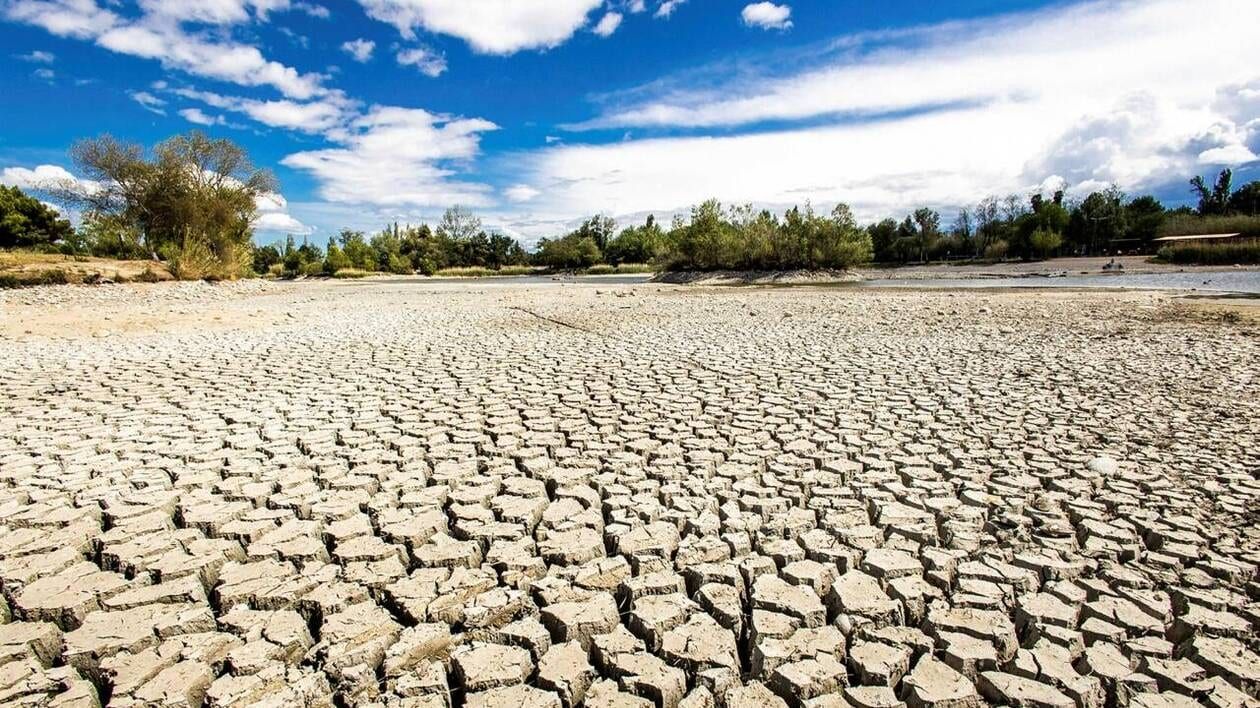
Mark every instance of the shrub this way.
pixel 1242 253
pixel 995 251
pixel 352 273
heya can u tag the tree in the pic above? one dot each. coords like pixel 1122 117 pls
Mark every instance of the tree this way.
pixel 1044 242
pixel 193 200
pixel 636 244
pixel 1144 215
pixel 265 257
pixel 1246 200
pixel 1214 201
pixel 598 228
pixel 458 224
pixel 882 235
pixel 26 222
pixel 1098 220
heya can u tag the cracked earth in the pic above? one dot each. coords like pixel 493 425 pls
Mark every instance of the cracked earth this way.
pixel 504 494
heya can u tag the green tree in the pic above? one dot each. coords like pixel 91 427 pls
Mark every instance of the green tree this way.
pixel 1213 201
pixel 26 222
pixel 193 199
pixel 1097 221
pixel 636 244
pixel 1144 215
pixel 1246 200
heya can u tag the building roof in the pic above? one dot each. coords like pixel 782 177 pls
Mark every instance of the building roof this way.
pixel 1197 237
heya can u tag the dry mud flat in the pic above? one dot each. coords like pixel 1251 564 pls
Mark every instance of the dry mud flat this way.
pixel 495 495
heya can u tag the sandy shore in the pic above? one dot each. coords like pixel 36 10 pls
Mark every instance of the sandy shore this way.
pixel 398 491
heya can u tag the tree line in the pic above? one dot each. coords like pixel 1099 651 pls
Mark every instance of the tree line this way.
pixel 192 201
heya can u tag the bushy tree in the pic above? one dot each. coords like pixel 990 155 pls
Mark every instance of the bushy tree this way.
pixel 1246 200
pixel 570 251
pixel 26 222
pixel 636 244
pixel 193 199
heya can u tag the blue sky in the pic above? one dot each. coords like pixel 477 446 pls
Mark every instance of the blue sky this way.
pixel 538 112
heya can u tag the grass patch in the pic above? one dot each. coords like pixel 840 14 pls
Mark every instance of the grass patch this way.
pixel 480 272
pixel 1191 224
pixel 347 273
pixel 31 278
pixel 1241 253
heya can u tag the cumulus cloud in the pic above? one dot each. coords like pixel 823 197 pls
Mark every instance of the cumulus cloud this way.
pixel 607 24
pixel 160 35
pixel 359 49
pixel 429 63
pixel 767 15
pixel 667 7
pixel 394 156
pixel 46 178
pixel 274 217
pixel 489 26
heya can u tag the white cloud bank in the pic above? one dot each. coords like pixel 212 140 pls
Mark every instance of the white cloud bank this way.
pixel 160 34
pixel 398 156
pixel 1133 93
pixel 489 26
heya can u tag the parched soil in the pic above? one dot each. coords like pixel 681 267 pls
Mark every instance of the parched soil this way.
pixel 409 493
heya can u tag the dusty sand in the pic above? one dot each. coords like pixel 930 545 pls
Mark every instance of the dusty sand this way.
pixel 552 494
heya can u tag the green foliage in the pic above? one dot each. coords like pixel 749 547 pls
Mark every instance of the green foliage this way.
pixel 265 257
pixel 1045 242
pixel 193 199
pixel 1213 201
pixel 1246 201
pixel 1241 253
pixel 1191 224
pixel 26 222
pixel 567 252
pixel 744 239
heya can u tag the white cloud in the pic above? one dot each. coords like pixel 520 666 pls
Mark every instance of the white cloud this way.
pixel 520 193
pixel 198 116
pixel 398 157
pixel 313 9
pixel 45 177
pixel 607 24
pixel 767 15
pixel 667 7
pixel 426 60
pixel 634 7
pixel 38 57
pixel 962 112
pixel 148 101
pixel 161 37
pixel 359 49
pixel 274 218
pixel 212 12
pixel 327 113
pixel 1039 56
pixel 489 26
pixel 44 73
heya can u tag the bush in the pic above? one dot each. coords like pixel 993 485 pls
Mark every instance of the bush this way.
pixel 351 273
pixel 1242 253
pixel 995 251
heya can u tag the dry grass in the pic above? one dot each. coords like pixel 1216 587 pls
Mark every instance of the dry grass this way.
pixel 21 268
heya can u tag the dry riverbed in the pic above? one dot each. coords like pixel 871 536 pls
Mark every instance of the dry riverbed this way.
pixel 410 493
